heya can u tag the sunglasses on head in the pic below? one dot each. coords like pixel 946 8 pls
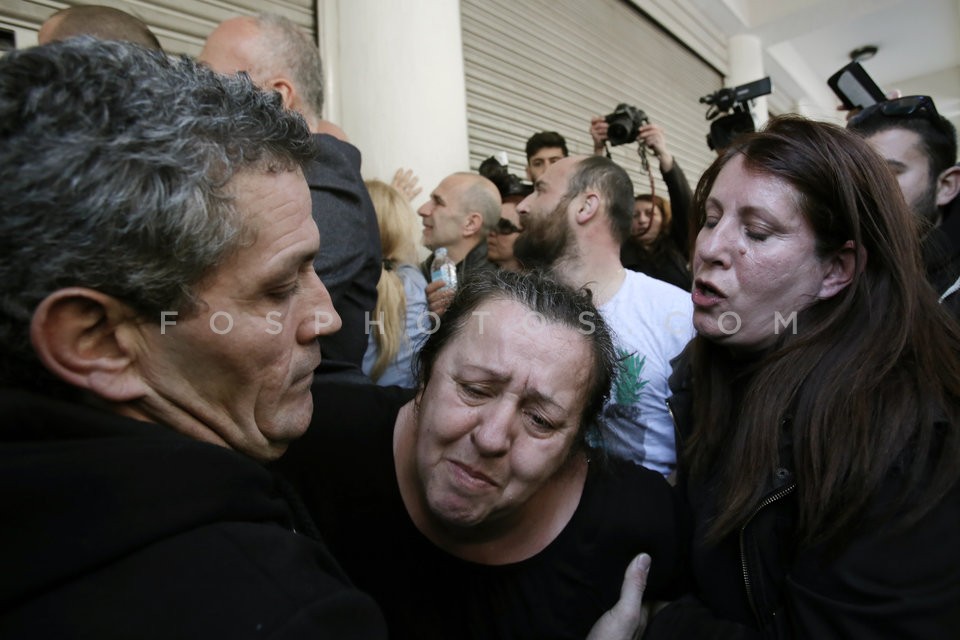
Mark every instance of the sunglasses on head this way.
pixel 504 227
pixel 906 107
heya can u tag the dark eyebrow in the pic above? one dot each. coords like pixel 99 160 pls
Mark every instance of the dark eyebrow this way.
pixel 539 398
pixel 896 163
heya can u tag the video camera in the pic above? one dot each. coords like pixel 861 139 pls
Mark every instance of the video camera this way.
pixel 625 123
pixel 724 130
pixel 495 170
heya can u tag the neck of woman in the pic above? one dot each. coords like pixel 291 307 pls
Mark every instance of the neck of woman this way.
pixel 523 533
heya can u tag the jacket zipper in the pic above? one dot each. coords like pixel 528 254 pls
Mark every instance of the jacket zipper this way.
pixel 770 499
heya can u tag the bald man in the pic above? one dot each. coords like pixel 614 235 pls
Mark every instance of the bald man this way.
pixel 279 56
pixel 293 69
pixel 458 216
pixel 103 23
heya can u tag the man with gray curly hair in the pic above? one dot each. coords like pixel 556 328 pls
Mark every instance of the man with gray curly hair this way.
pixel 279 56
pixel 159 315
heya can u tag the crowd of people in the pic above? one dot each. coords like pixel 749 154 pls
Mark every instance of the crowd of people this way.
pixel 238 401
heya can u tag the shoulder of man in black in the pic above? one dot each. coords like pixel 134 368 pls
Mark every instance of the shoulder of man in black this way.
pixel 350 257
pixel 119 522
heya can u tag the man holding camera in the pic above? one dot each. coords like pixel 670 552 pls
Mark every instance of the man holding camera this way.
pixel 680 195
pixel 653 137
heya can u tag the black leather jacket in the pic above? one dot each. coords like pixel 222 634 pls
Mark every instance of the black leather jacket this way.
pixel 759 583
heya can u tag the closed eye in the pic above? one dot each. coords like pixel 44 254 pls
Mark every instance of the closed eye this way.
pixel 539 422
pixel 291 288
pixel 472 391
pixel 286 293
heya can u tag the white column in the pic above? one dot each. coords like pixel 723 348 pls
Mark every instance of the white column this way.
pixel 328 35
pixel 397 85
pixel 746 65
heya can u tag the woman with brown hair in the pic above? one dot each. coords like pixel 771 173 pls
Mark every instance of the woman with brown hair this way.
pixel 657 242
pixel 823 460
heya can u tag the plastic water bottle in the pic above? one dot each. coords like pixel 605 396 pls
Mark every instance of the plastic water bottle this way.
pixel 444 268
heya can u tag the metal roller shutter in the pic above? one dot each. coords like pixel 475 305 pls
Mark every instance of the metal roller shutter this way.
pixel 180 25
pixel 535 65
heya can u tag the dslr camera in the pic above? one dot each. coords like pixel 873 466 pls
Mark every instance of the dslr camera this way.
pixel 625 123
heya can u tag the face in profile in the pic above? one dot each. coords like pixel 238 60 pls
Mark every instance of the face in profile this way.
pixel 499 416
pixel 441 214
pixel 647 221
pixel 903 151
pixel 755 258
pixel 242 365
pixel 543 214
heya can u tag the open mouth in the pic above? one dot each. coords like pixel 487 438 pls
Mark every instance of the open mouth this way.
pixel 706 295
pixel 708 289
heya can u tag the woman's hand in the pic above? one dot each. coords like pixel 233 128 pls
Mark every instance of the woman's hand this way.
pixel 598 131
pixel 652 135
pixel 406 182
pixel 627 620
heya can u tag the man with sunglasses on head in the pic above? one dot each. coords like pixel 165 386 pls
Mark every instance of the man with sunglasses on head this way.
pixel 920 147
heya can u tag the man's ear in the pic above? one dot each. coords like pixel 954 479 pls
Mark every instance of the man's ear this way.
pixel 948 185
pixel 286 90
pixel 841 268
pixel 588 207
pixel 86 338
pixel 472 224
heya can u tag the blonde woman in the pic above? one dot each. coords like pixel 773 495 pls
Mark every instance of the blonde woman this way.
pixel 401 296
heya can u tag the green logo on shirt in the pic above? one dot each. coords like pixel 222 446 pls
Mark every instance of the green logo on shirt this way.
pixel 629 383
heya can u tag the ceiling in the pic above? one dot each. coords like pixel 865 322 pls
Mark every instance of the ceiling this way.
pixel 806 41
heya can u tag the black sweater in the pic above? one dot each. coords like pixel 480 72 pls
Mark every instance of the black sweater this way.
pixel 115 528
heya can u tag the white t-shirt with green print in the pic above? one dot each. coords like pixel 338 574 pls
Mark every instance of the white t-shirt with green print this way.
pixel 651 321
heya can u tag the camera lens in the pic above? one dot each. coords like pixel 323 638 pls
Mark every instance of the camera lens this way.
pixel 618 130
